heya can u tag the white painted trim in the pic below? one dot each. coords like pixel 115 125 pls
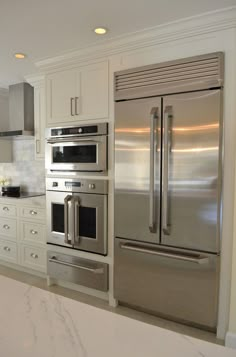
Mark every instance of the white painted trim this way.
pixel 35 80
pixel 4 92
pixel 230 340
pixel 186 28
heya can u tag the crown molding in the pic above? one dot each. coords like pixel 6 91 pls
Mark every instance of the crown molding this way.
pixel 209 22
pixel 36 80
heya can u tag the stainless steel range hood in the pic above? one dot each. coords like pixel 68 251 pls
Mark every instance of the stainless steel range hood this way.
pixel 21 112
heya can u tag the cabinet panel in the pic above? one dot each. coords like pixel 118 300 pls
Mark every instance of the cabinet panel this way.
pixel 33 213
pixel 33 257
pixel 32 232
pixel 94 91
pixel 62 89
pixel 8 251
pixel 8 228
pixel 7 210
pixel 39 120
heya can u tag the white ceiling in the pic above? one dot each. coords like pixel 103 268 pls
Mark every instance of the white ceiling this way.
pixel 46 28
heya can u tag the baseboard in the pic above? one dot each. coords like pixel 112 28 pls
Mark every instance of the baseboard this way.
pixel 230 340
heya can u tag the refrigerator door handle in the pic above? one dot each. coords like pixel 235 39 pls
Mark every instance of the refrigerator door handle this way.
pixel 197 259
pixel 153 146
pixel 165 170
pixel 77 206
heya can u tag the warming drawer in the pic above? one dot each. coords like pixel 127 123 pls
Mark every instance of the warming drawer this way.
pixel 89 273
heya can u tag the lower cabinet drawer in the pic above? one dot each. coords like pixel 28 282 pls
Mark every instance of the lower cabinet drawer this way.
pixel 8 251
pixel 80 271
pixel 8 228
pixel 33 232
pixel 33 257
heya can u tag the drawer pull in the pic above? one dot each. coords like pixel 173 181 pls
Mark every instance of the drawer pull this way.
pixel 7 249
pixel 33 213
pixel 6 209
pixel 33 232
pixel 33 255
pixel 54 259
pixel 6 226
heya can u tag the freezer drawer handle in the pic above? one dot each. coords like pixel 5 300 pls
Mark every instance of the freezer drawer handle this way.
pixel 200 260
pixel 92 270
pixel 165 170
pixel 153 145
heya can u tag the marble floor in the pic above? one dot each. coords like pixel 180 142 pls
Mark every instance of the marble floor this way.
pixel 121 310
pixel 36 322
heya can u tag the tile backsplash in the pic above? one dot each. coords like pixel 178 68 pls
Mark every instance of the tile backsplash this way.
pixel 25 170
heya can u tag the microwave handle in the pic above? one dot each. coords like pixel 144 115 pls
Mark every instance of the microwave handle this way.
pixel 73 139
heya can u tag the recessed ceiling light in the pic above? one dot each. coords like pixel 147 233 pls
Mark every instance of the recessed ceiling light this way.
pixel 19 55
pixel 100 30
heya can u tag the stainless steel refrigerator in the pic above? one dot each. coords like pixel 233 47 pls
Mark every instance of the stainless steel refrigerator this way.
pixel 168 166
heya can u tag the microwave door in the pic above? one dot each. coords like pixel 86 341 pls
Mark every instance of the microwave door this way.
pixel 77 154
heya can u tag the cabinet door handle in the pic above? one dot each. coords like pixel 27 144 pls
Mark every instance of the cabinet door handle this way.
pixel 37 146
pixel 6 209
pixel 71 106
pixel 33 255
pixel 33 232
pixel 76 105
pixel 7 249
pixel 33 213
pixel 6 226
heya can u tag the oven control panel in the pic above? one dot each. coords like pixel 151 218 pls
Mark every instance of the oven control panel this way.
pixel 77 185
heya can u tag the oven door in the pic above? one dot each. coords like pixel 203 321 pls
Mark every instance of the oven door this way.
pixel 90 222
pixel 60 218
pixel 77 220
pixel 77 154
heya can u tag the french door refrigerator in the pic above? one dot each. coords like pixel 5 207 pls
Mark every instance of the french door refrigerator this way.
pixel 168 158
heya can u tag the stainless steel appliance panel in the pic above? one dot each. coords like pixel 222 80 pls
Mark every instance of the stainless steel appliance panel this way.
pixel 169 282
pixel 89 273
pixel 137 169
pixel 192 170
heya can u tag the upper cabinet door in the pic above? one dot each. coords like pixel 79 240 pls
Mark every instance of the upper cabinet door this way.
pixel 63 90
pixel 94 91
pixel 77 94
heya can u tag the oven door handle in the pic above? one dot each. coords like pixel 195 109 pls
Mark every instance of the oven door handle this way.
pixel 66 213
pixel 77 206
pixel 72 139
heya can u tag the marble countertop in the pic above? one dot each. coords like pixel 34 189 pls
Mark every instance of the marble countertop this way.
pixel 37 323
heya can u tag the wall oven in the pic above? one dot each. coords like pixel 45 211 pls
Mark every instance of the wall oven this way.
pixel 77 214
pixel 77 149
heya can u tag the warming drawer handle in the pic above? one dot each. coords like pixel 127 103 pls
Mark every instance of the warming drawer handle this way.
pixel 200 260
pixel 92 270
pixel 153 144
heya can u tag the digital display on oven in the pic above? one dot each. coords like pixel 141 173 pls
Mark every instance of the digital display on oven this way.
pixel 91 129
pixel 72 184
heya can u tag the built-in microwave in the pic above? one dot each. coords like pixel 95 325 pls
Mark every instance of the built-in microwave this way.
pixel 77 149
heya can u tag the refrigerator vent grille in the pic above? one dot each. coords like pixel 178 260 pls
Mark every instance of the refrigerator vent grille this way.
pixel 201 71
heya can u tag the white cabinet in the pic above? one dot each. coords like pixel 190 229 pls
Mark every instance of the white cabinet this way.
pixel 77 94
pixel 23 234
pixel 39 119
pixel 5 145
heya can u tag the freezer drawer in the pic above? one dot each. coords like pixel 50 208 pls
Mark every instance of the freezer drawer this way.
pixel 80 271
pixel 174 283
